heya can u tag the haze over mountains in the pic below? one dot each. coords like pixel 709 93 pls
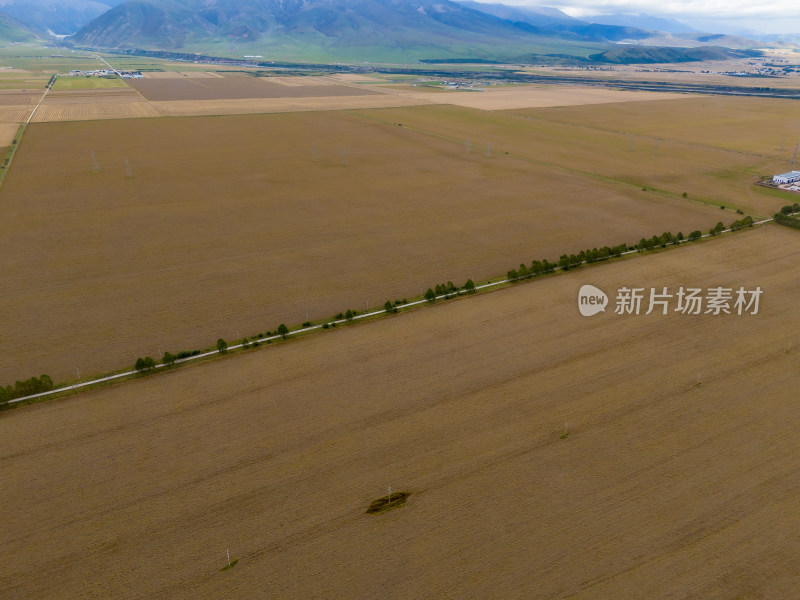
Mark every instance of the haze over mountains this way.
pixel 61 17
pixel 379 30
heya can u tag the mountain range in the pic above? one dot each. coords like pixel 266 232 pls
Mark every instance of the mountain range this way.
pixel 349 30
pixel 59 17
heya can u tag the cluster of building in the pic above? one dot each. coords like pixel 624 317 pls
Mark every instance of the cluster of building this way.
pixel 788 181
pixel 107 73
pixel 784 178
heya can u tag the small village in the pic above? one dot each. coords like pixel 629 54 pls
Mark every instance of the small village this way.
pixel 107 73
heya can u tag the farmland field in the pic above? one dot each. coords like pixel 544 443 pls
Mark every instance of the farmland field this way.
pixel 190 108
pixel 766 126
pixel 663 487
pixel 194 88
pixel 228 226
pixel 88 83
pixel 524 96
pixel 557 138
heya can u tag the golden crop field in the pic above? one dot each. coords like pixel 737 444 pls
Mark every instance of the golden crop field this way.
pixel 228 226
pixel 663 487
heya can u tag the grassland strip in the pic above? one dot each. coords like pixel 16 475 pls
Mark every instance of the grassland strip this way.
pixel 247 343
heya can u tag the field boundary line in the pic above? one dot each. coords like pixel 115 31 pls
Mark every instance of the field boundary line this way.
pixel 321 326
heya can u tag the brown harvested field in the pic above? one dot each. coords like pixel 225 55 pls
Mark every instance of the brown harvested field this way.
pixel 721 174
pixel 767 126
pixel 663 488
pixel 91 111
pixel 182 89
pixel 506 98
pixel 247 106
pixel 8 131
pixel 182 74
pixel 94 104
pixel 93 96
pixel 14 114
pixel 230 225
pixel 17 98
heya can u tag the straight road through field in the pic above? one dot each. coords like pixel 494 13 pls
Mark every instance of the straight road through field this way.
pixel 295 332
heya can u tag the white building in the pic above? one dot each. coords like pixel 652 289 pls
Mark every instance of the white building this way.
pixel 790 177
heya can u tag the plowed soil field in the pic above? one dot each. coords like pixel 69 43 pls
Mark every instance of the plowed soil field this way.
pixel 662 488
pixel 229 226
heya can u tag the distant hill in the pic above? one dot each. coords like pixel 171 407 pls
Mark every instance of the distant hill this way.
pixel 537 16
pixel 62 17
pixel 653 54
pixel 550 21
pixel 642 21
pixel 367 30
pixel 14 30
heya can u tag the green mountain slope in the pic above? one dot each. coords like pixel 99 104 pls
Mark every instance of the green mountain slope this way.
pixel 12 30
pixel 320 29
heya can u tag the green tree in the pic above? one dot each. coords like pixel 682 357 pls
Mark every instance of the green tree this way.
pixel 349 315
pixel 283 330
pixel 168 359
pixel 389 307
pixel 695 235
pixel 470 286
pixel 430 295
pixel 45 383
pixel 222 346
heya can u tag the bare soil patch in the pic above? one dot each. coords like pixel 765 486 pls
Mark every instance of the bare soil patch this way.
pixel 229 224
pixel 664 488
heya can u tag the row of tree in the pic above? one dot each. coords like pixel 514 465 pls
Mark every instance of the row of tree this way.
pixel 790 209
pixel 570 261
pixel 449 290
pixel 788 221
pixel 34 385
pixel 538 267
